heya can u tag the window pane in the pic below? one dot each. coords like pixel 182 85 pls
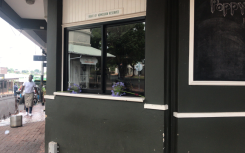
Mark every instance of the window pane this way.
pixel 85 58
pixel 126 57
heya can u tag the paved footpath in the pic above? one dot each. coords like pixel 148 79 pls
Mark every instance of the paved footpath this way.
pixel 26 139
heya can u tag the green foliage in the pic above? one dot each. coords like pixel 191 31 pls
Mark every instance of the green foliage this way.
pixel 96 43
pixel 11 70
pixel 127 43
pixel 96 38
pixel 25 71
pixel 36 71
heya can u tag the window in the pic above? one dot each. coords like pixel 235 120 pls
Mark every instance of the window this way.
pixel 85 58
pixel 100 56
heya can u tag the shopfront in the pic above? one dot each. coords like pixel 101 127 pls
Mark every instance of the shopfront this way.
pixel 178 97
pixel 105 42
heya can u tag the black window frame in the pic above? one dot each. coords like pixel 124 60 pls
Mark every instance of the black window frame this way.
pixel 103 26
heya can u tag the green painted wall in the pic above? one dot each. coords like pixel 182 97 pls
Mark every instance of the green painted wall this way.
pixel 211 135
pixel 205 135
pixel 91 125
pixel 54 46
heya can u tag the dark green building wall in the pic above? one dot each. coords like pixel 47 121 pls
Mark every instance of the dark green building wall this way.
pixel 82 125
pixel 205 135
pixel 54 46
pixel 93 125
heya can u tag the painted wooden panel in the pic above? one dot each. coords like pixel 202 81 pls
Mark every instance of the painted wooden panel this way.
pixel 142 5
pixel 125 7
pixel 137 6
pixel 116 3
pixel 120 4
pixel 104 6
pixel 76 10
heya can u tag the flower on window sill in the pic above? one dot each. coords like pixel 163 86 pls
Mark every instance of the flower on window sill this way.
pixel 75 89
pixel 73 92
pixel 118 90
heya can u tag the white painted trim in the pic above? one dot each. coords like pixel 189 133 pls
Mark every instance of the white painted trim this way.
pixel 98 96
pixel 207 115
pixel 191 41
pixel 191 57
pixel 49 96
pixel 218 83
pixel 119 17
pixel 155 106
pixel 62 64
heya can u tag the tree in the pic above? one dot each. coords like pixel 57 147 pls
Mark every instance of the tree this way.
pixel 36 71
pixel 96 43
pixel 127 43
pixel 25 71
pixel 11 70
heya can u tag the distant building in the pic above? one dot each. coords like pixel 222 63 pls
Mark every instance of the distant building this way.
pixel 3 70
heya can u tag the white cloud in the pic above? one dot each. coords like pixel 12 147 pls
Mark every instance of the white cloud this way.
pixel 16 51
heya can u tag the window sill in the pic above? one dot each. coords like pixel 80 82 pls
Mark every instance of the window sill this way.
pixel 97 96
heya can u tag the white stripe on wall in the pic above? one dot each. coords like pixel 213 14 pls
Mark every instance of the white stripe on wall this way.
pixel 49 96
pixel 211 114
pixel 156 107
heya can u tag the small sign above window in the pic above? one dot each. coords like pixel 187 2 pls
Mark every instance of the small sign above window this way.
pixel 104 14
pixel 89 60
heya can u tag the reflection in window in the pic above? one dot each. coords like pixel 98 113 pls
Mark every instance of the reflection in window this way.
pixel 85 58
pixel 125 58
pixel 127 45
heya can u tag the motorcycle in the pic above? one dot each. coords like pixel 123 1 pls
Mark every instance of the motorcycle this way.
pixel 35 99
pixel 21 98
pixel 18 96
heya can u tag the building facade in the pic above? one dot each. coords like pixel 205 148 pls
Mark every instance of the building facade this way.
pixel 184 57
pixel 187 113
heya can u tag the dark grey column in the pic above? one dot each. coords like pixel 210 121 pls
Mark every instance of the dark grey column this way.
pixel 155 50
pixel 54 46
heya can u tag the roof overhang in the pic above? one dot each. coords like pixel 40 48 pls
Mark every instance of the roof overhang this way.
pixel 33 28
pixel 86 50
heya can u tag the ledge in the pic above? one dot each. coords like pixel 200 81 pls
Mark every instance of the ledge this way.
pixel 97 96
pixel 156 106
pixel 49 96
pixel 211 114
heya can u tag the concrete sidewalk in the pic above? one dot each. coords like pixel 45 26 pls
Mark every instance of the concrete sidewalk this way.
pixel 26 139
pixel 37 112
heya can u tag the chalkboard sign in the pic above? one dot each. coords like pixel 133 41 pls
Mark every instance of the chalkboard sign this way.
pixel 219 40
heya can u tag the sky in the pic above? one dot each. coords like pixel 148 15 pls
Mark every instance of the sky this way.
pixel 16 50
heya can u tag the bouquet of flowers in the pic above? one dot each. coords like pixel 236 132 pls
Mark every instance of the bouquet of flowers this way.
pixel 75 89
pixel 119 90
